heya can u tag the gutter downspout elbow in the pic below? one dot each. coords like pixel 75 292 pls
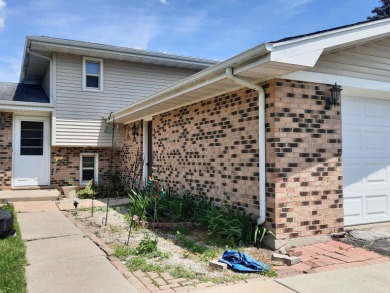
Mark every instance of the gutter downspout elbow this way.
pixel 260 90
pixel 51 71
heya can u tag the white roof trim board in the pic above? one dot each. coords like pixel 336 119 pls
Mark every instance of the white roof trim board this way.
pixel 265 61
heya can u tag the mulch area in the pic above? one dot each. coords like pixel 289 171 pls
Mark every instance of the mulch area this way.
pixel 315 258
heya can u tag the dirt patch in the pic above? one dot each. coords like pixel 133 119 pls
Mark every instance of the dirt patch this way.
pixel 173 247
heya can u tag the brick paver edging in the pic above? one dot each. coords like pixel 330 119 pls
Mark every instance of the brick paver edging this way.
pixel 329 256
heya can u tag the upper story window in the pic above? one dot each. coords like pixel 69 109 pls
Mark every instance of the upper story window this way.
pixel 92 74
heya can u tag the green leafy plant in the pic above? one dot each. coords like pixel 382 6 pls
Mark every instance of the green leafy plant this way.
pixel 141 202
pixel 89 191
pixel 227 222
pixel 147 245
pixel 260 231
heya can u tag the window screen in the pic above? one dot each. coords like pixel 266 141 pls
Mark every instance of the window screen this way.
pixel 88 168
pixel 92 74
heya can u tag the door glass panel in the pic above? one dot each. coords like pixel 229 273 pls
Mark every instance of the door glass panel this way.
pixel 31 140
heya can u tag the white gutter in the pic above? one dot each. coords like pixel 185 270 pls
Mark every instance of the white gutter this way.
pixel 259 89
pixel 51 71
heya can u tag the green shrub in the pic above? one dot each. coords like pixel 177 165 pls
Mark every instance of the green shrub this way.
pixel 89 191
pixel 227 222
pixel 147 245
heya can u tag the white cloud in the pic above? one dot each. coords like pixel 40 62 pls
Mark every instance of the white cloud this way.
pixel 2 23
pixel 165 2
pixel 2 4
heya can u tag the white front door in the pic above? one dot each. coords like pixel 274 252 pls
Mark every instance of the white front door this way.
pixel 31 151
pixel 366 160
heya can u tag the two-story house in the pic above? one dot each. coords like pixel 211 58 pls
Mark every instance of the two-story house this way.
pixel 53 129
pixel 265 130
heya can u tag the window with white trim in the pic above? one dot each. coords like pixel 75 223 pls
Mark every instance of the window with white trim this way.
pixel 89 167
pixel 92 74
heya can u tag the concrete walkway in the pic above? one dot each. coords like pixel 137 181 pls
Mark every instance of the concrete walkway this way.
pixel 61 259
pixel 371 278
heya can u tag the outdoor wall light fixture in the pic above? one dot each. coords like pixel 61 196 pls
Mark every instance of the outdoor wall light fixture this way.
pixel 2 121
pixel 335 93
pixel 134 131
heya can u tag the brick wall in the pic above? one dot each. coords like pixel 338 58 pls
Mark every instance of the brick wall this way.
pixel 130 159
pixel 211 148
pixel 6 152
pixel 304 164
pixel 65 164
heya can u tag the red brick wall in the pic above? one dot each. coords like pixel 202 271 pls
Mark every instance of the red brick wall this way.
pixel 65 164
pixel 304 164
pixel 6 152
pixel 211 148
pixel 130 159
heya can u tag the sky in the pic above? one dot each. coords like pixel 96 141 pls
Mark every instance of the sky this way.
pixel 212 29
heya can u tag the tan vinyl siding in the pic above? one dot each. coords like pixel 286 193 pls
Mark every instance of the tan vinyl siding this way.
pixel 370 61
pixel 79 113
pixel 46 81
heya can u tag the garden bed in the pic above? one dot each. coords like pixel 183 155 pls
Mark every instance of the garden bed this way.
pixel 183 252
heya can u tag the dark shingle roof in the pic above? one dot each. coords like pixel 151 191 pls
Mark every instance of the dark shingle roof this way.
pixel 324 31
pixel 22 92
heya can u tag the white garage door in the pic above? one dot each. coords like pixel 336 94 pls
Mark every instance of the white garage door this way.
pixel 366 160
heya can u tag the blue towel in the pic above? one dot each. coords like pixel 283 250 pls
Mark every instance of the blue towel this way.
pixel 242 262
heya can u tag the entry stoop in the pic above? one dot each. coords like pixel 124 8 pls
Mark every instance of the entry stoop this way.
pixel 29 195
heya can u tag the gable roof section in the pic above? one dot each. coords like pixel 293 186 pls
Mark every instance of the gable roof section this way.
pixel 47 45
pixel 22 93
pixel 16 97
pixel 263 62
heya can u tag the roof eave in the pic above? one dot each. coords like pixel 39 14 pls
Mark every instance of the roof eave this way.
pixel 207 75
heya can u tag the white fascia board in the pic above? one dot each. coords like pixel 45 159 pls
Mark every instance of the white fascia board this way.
pixel 92 48
pixel 22 71
pixel 305 50
pixel 344 81
pixel 26 106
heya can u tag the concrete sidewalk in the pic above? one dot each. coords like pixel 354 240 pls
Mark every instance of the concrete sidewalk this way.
pixel 370 278
pixel 61 259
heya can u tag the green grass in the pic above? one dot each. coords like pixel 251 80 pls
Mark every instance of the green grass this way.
pixel 12 261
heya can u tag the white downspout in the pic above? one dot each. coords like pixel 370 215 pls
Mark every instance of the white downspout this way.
pixel 259 89
pixel 51 71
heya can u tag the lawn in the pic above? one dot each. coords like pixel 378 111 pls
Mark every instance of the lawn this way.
pixel 12 261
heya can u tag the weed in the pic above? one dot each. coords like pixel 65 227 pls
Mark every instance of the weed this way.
pixel 180 272
pixel 97 233
pixel 124 251
pixel 190 244
pixel 270 274
pixel 140 263
pixel 182 230
pixel 147 245
pixel 210 254
pixel 114 228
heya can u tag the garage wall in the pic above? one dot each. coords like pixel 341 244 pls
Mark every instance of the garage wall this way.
pixel 6 152
pixel 366 157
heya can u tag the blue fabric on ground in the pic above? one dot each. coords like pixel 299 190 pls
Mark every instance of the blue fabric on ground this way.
pixel 241 262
